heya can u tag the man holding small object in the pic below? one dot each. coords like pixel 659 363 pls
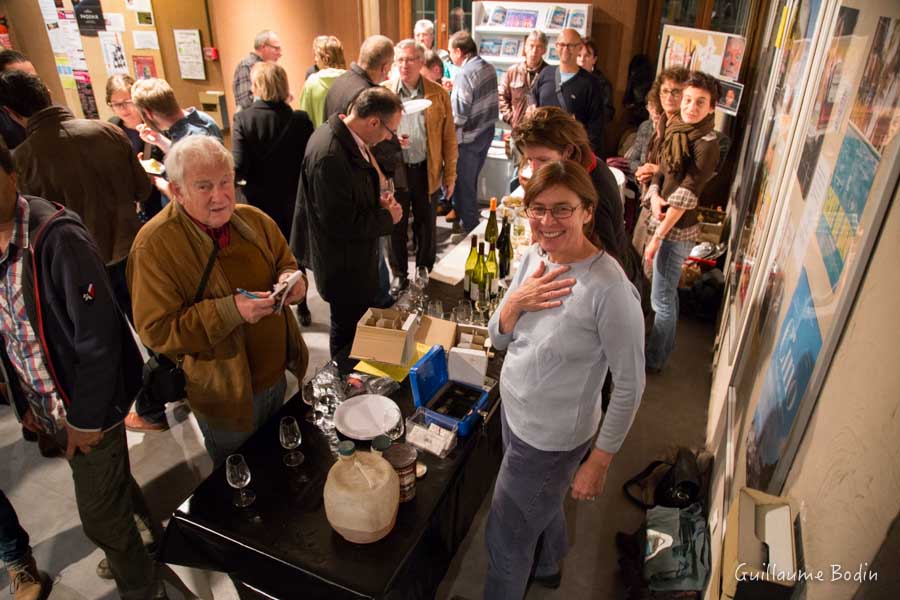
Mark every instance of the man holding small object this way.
pixel 235 348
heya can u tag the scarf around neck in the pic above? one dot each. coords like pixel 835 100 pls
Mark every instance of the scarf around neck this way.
pixel 678 143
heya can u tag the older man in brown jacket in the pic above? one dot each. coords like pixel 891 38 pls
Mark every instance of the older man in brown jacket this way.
pixel 86 165
pixel 428 142
pixel 234 345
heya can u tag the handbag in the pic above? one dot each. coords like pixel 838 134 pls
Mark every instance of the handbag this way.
pixel 673 485
pixel 163 380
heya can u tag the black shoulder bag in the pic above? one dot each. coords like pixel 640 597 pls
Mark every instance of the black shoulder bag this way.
pixel 163 380
pixel 674 485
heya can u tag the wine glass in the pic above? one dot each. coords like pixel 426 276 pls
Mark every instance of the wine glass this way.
pixel 465 311
pixel 435 309
pixel 387 187
pixel 289 436
pixel 238 474
pixel 422 276
pixel 392 423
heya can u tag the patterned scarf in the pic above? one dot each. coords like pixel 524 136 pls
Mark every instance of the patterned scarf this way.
pixel 678 143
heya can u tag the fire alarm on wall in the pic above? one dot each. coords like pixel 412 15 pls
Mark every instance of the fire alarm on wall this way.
pixel 211 53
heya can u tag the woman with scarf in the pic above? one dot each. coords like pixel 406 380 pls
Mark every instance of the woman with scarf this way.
pixel 689 155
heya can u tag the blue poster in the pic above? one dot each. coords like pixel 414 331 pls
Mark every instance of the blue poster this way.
pixel 790 369
pixel 846 200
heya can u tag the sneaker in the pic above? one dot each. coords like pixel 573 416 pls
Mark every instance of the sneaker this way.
pixel 28 583
pixel 135 422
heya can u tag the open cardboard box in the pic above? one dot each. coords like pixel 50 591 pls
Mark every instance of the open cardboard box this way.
pixel 385 335
pixel 759 557
pixel 467 360
pixel 434 331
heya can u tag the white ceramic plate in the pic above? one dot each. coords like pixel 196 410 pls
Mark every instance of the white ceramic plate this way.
pixel 366 416
pixel 411 107
pixel 153 166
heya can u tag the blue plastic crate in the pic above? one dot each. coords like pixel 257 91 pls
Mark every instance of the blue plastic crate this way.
pixel 432 389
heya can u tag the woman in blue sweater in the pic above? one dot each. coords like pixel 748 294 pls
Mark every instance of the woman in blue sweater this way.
pixel 570 316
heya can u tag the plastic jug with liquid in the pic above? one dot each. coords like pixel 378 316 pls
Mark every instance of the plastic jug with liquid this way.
pixel 362 494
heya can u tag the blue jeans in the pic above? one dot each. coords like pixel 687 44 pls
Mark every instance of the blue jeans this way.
pixel 527 509
pixel 221 442
pixel 14 548
pixel 664 299
pixel 468 167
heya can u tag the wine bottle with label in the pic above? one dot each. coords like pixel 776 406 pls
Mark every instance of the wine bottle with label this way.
pixel 470 266
pixel 493 270
pixel 504 249
pixel 477 274
pixel 491 231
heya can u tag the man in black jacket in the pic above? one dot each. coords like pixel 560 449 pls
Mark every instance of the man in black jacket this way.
pixel 376 56
pixel 72 368
pixel 573 89
pixel 343 212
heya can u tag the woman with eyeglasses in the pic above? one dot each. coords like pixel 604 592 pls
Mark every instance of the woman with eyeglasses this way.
pixel 570 316
pixel 128 117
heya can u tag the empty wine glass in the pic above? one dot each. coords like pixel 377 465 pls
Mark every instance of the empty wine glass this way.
pixel 290 438
pixel 392 423
pixel 478 318
pixel 435 308
pixel 422 276
pixel 461 315
pixel 238 475
pixel 465 311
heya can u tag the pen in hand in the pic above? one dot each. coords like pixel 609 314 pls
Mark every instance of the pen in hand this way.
pixel 244 292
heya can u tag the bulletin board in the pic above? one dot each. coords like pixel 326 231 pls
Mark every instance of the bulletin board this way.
pixel 95 39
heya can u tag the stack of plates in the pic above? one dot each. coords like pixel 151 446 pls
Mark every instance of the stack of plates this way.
pixel 366 416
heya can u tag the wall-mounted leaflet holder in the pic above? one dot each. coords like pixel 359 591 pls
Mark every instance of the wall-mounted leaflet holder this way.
pixel 760 557
pixel 213 104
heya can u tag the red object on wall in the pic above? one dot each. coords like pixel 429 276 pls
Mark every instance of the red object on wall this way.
pixel 211 53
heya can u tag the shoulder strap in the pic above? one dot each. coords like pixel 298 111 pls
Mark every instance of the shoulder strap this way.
pixel 206 271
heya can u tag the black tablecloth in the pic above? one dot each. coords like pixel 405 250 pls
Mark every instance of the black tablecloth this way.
pixel 283 546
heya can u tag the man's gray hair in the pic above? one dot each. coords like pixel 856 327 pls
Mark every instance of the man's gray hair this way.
pixel 538 36
pixel 411 43
pixel 375 52
pixel 262 38
pixel 196 151
pixel 423 26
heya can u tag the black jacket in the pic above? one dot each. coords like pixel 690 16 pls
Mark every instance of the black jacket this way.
pixel 583 96
pixel 609 220
pixel 87 346
pixel 268 143
pixel 338 209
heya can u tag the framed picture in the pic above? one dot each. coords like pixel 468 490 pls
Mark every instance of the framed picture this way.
pixel 491 46
pixel 498 17
pixel 510 48
pixel 525 19
pixel 729 97
pixel 577 18
pixel 556 17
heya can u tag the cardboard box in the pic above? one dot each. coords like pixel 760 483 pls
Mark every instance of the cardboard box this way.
pixel 759 560
pixel 385 335
pixel 468 359
pixel 434 331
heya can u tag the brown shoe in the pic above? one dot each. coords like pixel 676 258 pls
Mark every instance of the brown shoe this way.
pixel 134 422
pixel 29 583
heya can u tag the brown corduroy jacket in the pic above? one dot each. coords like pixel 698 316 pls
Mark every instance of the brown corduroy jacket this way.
pixel 90 168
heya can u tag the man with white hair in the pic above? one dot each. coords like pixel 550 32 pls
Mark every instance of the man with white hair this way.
pixel 189 273
pixel 266 47
pixel 376 56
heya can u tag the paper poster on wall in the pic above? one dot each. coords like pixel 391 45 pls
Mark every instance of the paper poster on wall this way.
pixel 89 15
pixel 190 53
pixel 577 19
pixel 55 36
pixel 4 33
pixel 145 40
pixel 113 53
pixel 141 5
pixel 875 111
pixel 144 67
pixel 114 22
pixel 556 17
pixel 733 57
pixel 144 18
pixel 48 10
pixel 86 94
pixel 73 47
pixel 729 97
pixel 793 360
pixel 718 54
pixel 64 69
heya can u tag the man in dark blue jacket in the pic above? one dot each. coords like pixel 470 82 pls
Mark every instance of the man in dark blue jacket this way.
pixel 72 368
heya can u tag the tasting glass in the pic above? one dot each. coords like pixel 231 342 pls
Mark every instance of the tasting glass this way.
pixel 290 438
pixel 238 474
pixel 435 309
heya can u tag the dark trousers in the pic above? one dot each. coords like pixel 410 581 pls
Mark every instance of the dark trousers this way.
pixel 344 318
pixel 423 207
pixel 468 167
pixel 14 548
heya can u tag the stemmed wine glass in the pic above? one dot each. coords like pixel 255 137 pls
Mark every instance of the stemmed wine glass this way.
pixel 289 436
pixel 238 474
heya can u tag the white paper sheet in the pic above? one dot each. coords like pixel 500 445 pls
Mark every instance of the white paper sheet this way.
pixel 145 40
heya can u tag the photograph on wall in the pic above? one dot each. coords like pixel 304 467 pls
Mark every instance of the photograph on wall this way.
pixel 556 17
pixel 526 19
pixel 577 19
pixel 86 94
pixel 5 42
pixel 697 50
pixel 491 46
pixel 498 17
pixel 144 18
pixel 190 53
pixel 733 57
pixel 830 91
pixel 875 112
pixel 144 67
pixel 89 15
pixel 729 97
pixel 113 53
pixel 839 224
pixel 788 375
pixel 510 48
